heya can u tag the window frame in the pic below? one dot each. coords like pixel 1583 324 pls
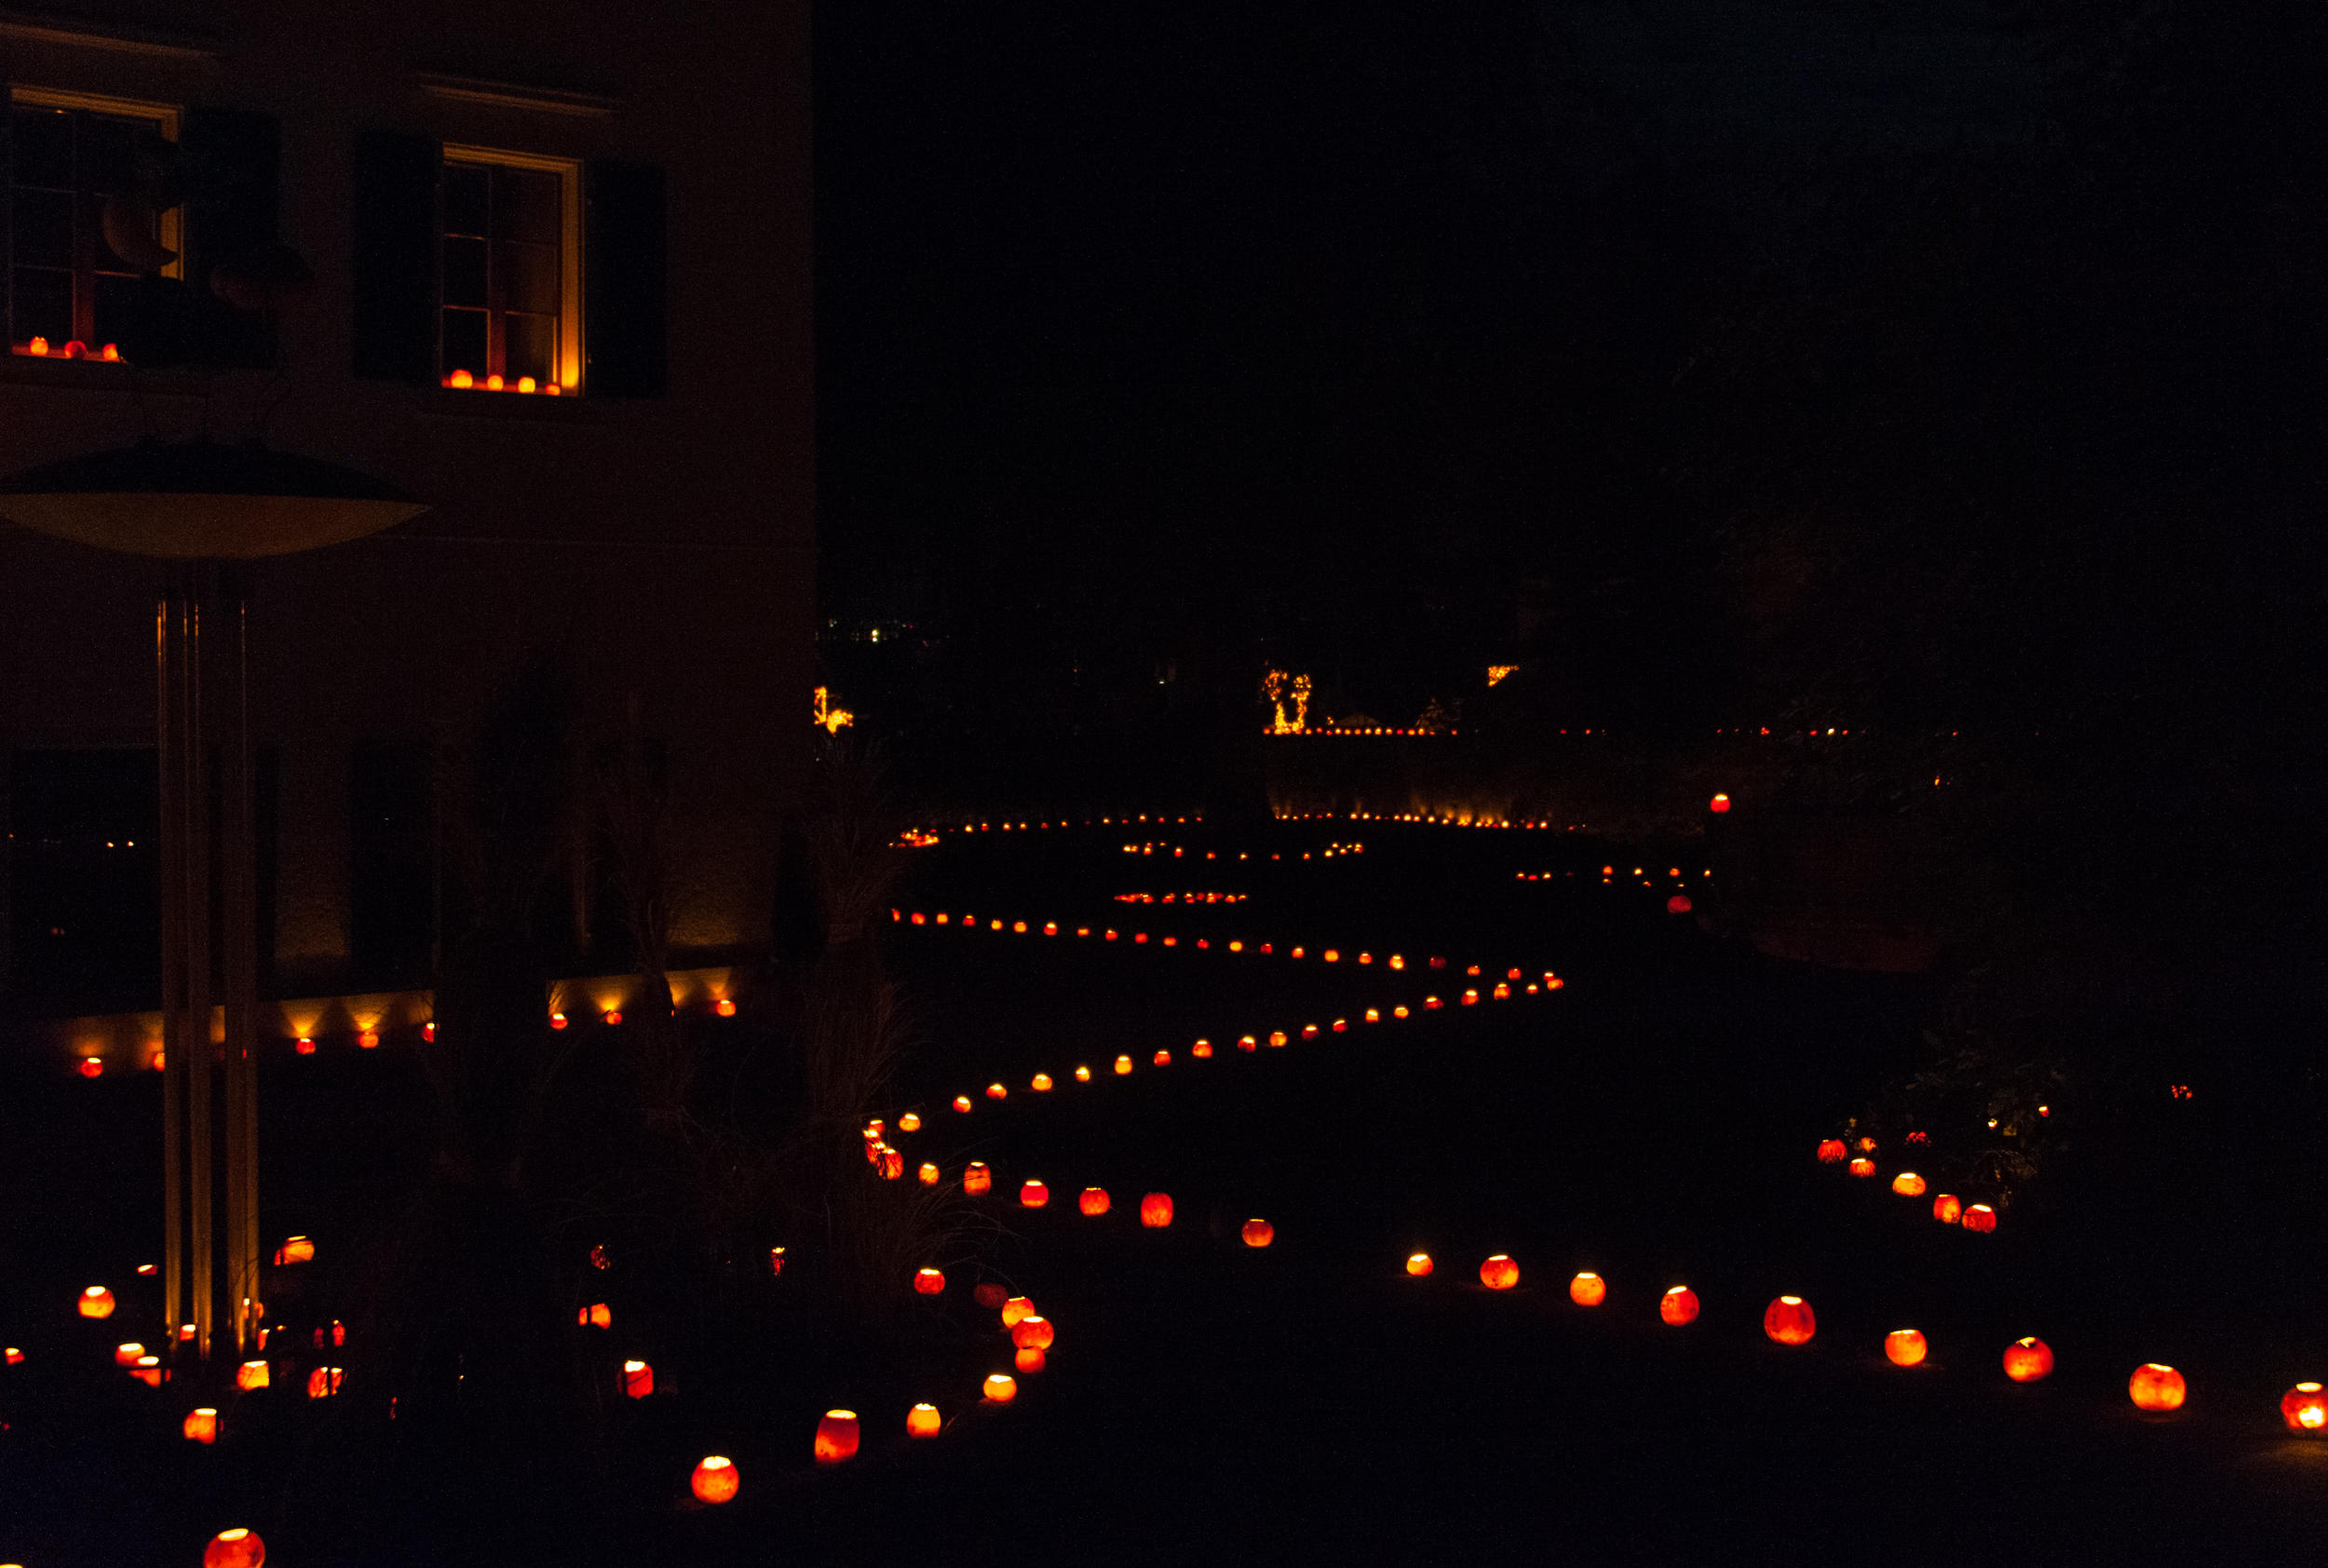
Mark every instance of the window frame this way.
pixel 170 233
pixel 568 375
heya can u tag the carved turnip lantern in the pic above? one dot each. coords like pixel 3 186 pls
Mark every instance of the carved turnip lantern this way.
pixel 1083 1075
pixel 961 1103
pixel 2156 1388
pixel 1588 1290
pixel 1155 1210
pixel 149 1372
pixel 1905 1348
pixel 1258 1233
pixel 1979 1217
pixel 1162 1059
pixel 1001 1388
pixel 1679 1305
pixel 929 1281
pixel 977 1179
pixel 1201 1048
pixel 234 1548
pixel 201 1425
pixel 910 1122
pixel 1016 1311
pixel 1029 1359
pixel 1832 1152
pixel 1789 1320
pixel 1041 1083
pixel 1032 1193
pixel 929 1173
pixel 776 1263
pixel 997 1092
pixel 836 1436
pixel 1092 1200
pixel 1032 1333
pixel 1123 1065
pixel 2028 1361
pixel 1867 1145
pixel 97 1301
pixel 637 1379
pixel 1863 1165
pixel 1419 1265
pixel 922 1421
pixel 1908 1185
pixel 2305 1409
pixel 298 1249
pixel 252 1375
pixel 1499 1273
pixel 598 1314
pixel 1719 806
pixel 127 1354
pixel 324 1382
pixel 1946 1210
pixel 714 1481
pixel 990 1295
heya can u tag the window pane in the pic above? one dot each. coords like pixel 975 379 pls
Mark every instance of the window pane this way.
pixel 44 148
pixel 117 304
pixel 44 228
pixel 465 202
pixel 107 161
pixel 529 278
pixel 525 206
pixel 44 306
pixel 465 341
pixel 530 346
pixel 464 272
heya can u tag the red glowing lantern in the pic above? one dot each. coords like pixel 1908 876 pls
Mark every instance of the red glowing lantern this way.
pixel 726 1007
pixel 598 1314
pixel 836 1436
pixel 977 1179
pixel 2156 1387
pixel 1041 1083
pixel 1979 1217
pixel 252 1375
pixel 990 1295
pixel 1001 1388
pixel 1499 1273
pixel 324 1382
pixel 1719 806
pixel 1863 1165
pixel 714 1481
pixel 1092 1200
pixel 995 1091
pixel 1155 1210
pixel 127 1354
pixel 1677 904
pixel 1258 1233
pixel 234 1548
pixel 961 1103
pixel 1029 1361
pixel 1790 1320
pixel 1679 1305
pixel 91 1067
pixel 2028 1361
pixel 1908 1185
pixel 1946 1210
pixel 1163 1058
pixel 2305 1409
pixel 929 1281
pixel 1832 1152
pixel 637 1379
pixel 922 1421
pixel 1588 1290
pixel 1032 1193
pixel 929 1173
pixel 1201 1048
pixel 892 1163
pixel 1905 1348
pixel 776 1263
pixel 97 1301
pixel 1033 1332
pixel 200 1425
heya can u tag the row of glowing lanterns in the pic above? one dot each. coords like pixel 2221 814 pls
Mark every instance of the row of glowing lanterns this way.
pixel 37 348
pixel 1181 852
pixel 1946 1206
pixel 463 381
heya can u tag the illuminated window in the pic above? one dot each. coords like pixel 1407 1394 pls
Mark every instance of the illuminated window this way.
pixel 70 295
pixel 509 271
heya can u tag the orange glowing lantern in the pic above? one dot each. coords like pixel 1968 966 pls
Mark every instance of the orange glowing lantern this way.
pixel 714 1481
pixel 1032 1193
pixel 1155 1210
pixel 201 1425
pixel 1092 1200
pixel 250 1374
pixel 234 1548
pixel 1001 1388
pixel 1790 1320
pixel 1679 1305
pixel 929 1281
pixel 1258 1233
pixel 637 1379
pixel 1908 1185
pixel 929 1173
pixel 961 1103
pixel 2304 1408
pixel 990 1295
pixel 922 1421
pixel 324 1382
pixel 726 1007
pixel 1588 1290
pixel 836 1436
pixel 910 1122
pixel 1083 1075
pixel 598 1314
pixel 1719 806
pixel 1946 1210
pixel 1163 1058
pixel 97 1301
pixel 1041 1083
pixel 1016 1311
pixel 892 1163
pixel 1832 1152
pixel 1905 1348
pixel 1863 1165
pixel 1028 1361
pixel 1979 1217
pixel 148 1370
pixel 1123 1065
pixel 995 1091
pixel 776 1263
pixel 127 1354
pixel 977 1179
pixel 2156 1388
pixel 1201 1048
pixel 1499 1273
pixel 557 1020
pixel 1033 1332
pixel 2028 1361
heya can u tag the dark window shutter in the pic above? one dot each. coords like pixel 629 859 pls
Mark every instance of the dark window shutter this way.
pixel 395 255
pixel 624 305
pixel 232 160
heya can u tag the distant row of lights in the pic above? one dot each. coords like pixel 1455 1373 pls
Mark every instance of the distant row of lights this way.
pixel 462 381
pixel 76 349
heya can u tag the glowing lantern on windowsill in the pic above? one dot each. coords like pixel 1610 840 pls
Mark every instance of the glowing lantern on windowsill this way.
pixel 1789 1320
pixel 2156 1387
pixel 1588 1290
pixel 1832 1152
pixel 1155 1210
pixel 1946 1210
pixel 836 1436
pixel 234 1548
pixel 977 1179
pixel 637 1379
pixel 1033 1332
pixel 1905 1348
pixel 1679 1305
pixel 2028 1361
pixel 1979 1217
pixel 1908 1185
pixel 714 1480
pixel 1092 1200
pixel 1001 1388
pixel 922 1421
pixel 1499 1273
pixel 201 1425
pixel 252 1375
pixel 1258 1233
pixel 1032 1193
pixel 2305 1409
pixel 97 1301
pixel 929 1281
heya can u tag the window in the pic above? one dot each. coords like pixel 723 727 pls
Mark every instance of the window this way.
pixel 510 272
pixel 70 295
pixel 84 880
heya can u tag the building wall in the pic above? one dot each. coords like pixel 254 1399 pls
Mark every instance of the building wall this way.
pixel 661 548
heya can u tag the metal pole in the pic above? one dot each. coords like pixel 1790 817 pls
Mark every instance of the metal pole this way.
pixel 239 942
pixel 195 825
pixel 177 1049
